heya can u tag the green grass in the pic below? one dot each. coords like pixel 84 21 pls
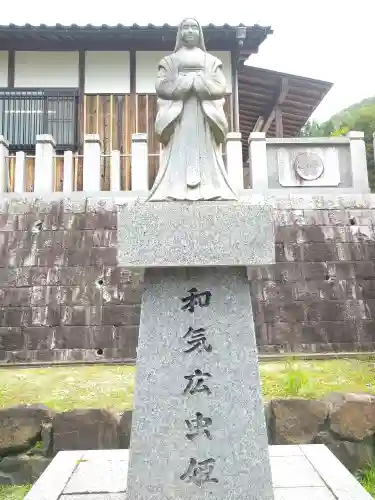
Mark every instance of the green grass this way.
pixel 13 492
pixel 111 387
pixel 315 379
pixel 367 479
pixel 68 387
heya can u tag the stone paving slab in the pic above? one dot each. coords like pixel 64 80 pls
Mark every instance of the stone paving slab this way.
pixel 306 472
pixel 97 496
pixel 95 477
pixel 321 493
pixel 294 472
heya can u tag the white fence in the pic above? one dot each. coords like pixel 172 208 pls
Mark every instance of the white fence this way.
pixel 46 172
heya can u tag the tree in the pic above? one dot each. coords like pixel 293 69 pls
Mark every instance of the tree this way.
pixel 361 117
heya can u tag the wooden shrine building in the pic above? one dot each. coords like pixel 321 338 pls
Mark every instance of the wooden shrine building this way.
pixel 69 81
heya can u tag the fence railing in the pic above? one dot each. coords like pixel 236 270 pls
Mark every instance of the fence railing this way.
pixel 48 171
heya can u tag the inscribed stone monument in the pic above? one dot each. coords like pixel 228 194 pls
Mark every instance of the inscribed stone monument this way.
pixel 198 428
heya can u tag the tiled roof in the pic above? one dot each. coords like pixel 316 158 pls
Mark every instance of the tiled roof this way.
pixel 121 26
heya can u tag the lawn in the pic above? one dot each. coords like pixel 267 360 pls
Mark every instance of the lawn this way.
pixel 13 492
pixel 66 387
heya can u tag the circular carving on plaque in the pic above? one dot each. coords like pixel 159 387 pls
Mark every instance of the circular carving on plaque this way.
pixel 309 166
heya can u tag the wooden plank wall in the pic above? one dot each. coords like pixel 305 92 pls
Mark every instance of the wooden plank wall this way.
pixel 112 117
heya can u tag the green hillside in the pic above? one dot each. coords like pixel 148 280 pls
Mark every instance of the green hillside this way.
pixel 359 116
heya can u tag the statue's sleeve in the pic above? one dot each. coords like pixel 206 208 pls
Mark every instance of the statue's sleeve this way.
pixel 171 85
pixel 211 84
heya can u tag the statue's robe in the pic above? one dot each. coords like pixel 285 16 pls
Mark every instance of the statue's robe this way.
pixel 191 125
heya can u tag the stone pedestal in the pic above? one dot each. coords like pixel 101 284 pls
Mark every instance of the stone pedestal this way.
pixel 198 427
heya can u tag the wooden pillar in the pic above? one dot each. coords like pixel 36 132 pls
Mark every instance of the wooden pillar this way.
pixel 133 91
pixel 134 127
pixel 11 68
pixel 235 121
pixel 81 102
pixel 279 122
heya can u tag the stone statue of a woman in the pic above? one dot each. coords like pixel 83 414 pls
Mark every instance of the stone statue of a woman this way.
pixel 191 122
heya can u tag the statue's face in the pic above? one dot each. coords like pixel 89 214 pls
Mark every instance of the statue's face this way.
pixel 190 33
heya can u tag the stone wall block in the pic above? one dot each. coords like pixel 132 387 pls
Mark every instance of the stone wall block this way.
pixel 312 218
pixel 44 295
pixel 84 337
pixel 11 339
pixel 319 252
pixel 125 429
pixel 86 294
pixel 334 217
pixel 81 315
pixel 315 336
pixel 15 316
pixel 125 294
pixel 125 339
pixel 283 292
pixel 261 333
pixel 354 455
pixel 104 238
pixel 75 257
pixel 284 334
pixel 9 276
pixel 45 315
pixel 288 252
pixel 85 430
pixel 297 421
pixel 22 469
pixel 118 315
pixel 73 276
pixel 101 205
pixel 311 271
pixel 287 234
pixel 15 297
pixel 353 417
pixel 123 276
pixel 367 289
pixel 74 206
pixel 103 256
pixel 8 222
pixel 41 336
pixel 310 291
pixel 20 427
pixel 314 234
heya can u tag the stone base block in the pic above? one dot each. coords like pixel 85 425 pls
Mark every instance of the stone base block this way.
pixel 194 234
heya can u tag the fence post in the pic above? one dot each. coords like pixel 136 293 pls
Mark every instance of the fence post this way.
pixel 44 163
pixel 68 172
pixel 234 160
pixel 139 172
pixel 115 171
pixel 91 163
pixel 4 171
pixel 20 172
pixel 258 161
pixel 358 161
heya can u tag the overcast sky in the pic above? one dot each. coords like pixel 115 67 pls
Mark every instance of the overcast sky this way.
pixel 329 40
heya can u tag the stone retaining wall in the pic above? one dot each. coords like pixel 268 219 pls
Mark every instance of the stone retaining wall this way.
pixel 64 298
pixel 31 435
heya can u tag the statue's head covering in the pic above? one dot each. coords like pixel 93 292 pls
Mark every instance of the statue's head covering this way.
pixel 179 42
